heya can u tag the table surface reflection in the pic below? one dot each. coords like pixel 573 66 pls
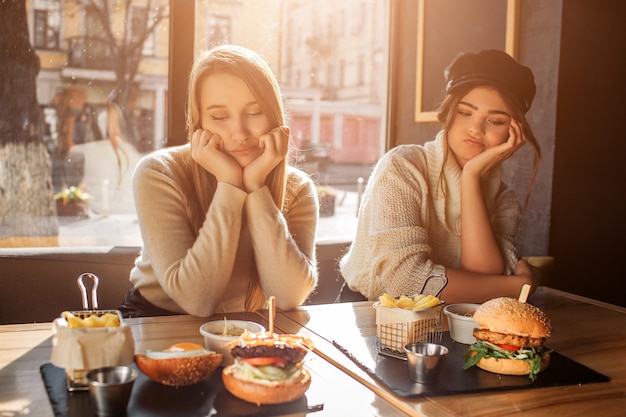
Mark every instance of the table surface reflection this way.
pixel 589 332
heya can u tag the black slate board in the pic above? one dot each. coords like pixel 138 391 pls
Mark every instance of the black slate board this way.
pixel 148 398
pixel 453 379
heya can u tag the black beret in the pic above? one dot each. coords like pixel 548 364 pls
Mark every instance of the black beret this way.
pixel 496 68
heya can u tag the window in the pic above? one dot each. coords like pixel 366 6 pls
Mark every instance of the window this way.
pixel 140 18
pixel 46 24
pixel 330 76
pixel 218 29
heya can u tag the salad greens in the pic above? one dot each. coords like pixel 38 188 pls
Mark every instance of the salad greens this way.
pixel 484 349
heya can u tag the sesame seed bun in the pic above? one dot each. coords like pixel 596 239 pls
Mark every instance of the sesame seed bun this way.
pixel 179 371
pixel 508 315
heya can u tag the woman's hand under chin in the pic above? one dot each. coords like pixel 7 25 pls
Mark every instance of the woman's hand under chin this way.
pixel 483 162
pixel 207 150
pixel 275 145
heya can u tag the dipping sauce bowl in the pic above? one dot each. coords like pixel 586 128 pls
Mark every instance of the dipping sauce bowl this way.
pixel 424 361
pixel 217 341
pixel 110 388
pixel 461 322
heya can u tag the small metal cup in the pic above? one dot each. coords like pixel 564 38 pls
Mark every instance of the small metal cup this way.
pixel 424 361
pixel 110 388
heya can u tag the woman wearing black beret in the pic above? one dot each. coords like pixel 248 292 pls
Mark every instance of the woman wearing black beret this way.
pixel 437 218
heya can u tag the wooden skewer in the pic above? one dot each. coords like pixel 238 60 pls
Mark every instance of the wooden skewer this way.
pixel 272 313
pixel 523 295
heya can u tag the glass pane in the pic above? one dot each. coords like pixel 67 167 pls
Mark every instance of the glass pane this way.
pixel 330 58
pixel 103 94
pixel 46 23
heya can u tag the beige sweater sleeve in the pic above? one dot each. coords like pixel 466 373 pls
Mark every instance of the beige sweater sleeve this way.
pixel 391 251
pixel 284 245
pixel 406 227
pixel 195 275
pixel 176 270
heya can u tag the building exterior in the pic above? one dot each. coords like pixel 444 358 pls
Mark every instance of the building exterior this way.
pixel 333 59
pixel 329 58
pixel 77 67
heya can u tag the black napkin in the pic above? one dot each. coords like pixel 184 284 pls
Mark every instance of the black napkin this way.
pixel 453 379
pixel 148 398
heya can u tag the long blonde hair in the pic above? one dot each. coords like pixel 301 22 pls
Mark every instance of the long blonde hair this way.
pixel 447 112
pixel 256 73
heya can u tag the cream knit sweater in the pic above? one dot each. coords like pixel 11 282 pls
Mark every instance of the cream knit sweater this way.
pixel 209 273
pixel 406 225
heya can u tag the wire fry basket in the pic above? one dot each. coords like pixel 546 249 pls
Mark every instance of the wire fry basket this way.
pixel 77 378
pixel 397 327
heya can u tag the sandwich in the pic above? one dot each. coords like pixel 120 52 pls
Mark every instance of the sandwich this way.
pixel 510 338
pixel 268 368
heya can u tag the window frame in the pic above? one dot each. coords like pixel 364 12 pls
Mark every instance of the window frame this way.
pixel 510 42
pixel 181 56
pixel 137 14
pixel 41 15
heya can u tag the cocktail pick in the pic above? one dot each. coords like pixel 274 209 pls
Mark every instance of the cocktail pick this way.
pixel 272 312
pixel 523 295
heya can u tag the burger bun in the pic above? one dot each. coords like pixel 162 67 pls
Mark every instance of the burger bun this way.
pixel 179 367
pixel 508 315
pixel 510 366
pixel 265 392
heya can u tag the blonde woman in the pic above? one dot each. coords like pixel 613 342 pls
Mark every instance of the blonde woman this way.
pixel 226 222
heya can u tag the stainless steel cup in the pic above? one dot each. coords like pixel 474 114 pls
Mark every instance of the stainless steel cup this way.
pixel 110 388
pixel 424 361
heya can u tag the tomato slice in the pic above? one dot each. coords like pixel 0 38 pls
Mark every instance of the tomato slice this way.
pixel 508 347
pixel 265 360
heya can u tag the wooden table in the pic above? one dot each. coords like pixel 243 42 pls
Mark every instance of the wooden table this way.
pixel 587 331
pixel 590 332
pixel 23 348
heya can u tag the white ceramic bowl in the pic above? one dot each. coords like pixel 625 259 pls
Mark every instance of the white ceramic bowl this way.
pixel 460 322
pixel 214 340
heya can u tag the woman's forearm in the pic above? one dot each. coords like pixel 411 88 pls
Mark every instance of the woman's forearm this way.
pixel 284 249
pixel 471 287
pixel 480 251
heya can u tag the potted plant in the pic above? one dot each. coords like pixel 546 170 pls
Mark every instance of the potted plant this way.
pixel 326 196
pixel 73 201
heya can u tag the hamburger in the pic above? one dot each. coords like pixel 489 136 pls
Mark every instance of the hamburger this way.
pixel 510 338
pixel 268 368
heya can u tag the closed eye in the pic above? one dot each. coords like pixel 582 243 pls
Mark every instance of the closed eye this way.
pixel 497 122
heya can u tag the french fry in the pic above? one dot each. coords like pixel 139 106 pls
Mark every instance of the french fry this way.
pixel 405 302
pixel 93 320
pixel 72 320
pixel 387 301
pixel 111 320
pixel 418 302
pixel 427 302
pixel 418 297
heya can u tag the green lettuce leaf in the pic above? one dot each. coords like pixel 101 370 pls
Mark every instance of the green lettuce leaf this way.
pixel 484 349
pixel 267 372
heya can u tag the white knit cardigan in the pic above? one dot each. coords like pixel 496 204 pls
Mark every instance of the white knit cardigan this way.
pixel 407 225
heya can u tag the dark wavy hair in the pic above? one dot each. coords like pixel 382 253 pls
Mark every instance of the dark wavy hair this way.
pixel 447 111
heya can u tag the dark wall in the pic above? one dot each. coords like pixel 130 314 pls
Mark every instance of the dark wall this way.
pixel 588 232
pixel 538 48
pixel 577 210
